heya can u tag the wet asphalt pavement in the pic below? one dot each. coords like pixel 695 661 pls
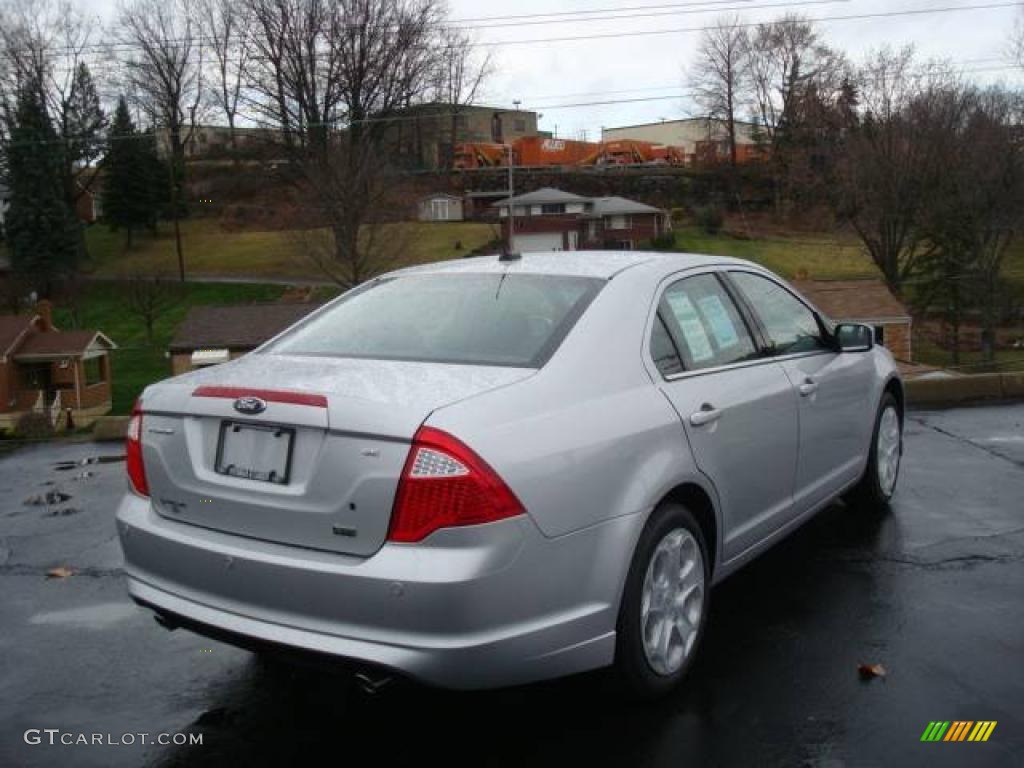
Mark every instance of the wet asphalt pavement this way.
pixel 933 590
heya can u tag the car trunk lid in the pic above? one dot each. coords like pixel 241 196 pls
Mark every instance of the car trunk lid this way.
pixel 318 466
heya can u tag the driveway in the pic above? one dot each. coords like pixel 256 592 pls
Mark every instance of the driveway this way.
pixel 933 591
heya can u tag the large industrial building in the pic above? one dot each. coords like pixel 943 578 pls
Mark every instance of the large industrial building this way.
pixel 425 135
pixel 705 138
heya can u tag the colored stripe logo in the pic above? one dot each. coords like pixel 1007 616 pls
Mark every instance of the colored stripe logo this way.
pixel 958 730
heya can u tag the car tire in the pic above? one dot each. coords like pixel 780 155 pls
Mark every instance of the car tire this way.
pixel 878 483
pixel 646 668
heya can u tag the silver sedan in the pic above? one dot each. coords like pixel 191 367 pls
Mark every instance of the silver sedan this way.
pixel 497 470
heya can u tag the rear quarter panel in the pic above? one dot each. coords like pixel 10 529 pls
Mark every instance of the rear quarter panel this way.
pixel 590 437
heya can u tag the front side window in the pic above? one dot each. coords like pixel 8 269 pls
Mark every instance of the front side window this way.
pixel 790 325
pixel 705 324
pixel 471 319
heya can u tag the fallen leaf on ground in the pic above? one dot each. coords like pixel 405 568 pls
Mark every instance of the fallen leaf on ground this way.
pixel 869 671
pixel 61 572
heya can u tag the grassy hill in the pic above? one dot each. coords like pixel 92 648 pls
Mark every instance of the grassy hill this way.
pixel 211 250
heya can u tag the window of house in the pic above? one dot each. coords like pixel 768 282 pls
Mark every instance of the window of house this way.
pixel 440 209
pixel 706 326
pixel 791 326
pixel 618 221
pixel 93 370
pixel 553 208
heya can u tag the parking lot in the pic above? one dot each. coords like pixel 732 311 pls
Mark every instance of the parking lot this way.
pixel 933 591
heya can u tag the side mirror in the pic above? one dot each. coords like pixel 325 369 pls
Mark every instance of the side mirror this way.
pixel 854 337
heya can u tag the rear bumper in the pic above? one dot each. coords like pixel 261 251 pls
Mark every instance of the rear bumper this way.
pixel 476 607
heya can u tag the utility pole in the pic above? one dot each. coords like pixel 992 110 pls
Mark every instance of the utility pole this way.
pixel 511 194
pixel 511 190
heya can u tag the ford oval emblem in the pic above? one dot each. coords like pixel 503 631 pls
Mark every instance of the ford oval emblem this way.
pixel 250 405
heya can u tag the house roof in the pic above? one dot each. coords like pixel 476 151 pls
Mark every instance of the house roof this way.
pixel 11 329
pixel 542 196
pixel 607 206
pixel 243 326
pixel 61 344
pixel 868 299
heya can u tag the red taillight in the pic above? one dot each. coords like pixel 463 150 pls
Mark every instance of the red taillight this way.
pixel 444 484
pixel 133 452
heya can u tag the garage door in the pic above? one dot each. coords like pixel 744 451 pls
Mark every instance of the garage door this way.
pixel 547 241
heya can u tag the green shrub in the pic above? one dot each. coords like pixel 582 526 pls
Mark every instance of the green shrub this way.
pixel 33 426
pixel 664 242
pixel 710 219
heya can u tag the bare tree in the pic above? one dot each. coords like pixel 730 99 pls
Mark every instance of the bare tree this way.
pixel 978 211
pixel 460 72
pixel 1017 40
pixel 720 75
pixel 226 30
pixel 894 158
pixel 165 70
pixel 149 298
pixel 330 76
pixel 784 58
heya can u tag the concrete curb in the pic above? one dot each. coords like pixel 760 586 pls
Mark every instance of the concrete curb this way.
pixel 110 428
pixel 964 389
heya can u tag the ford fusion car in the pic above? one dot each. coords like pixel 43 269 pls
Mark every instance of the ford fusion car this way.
pixel 492 471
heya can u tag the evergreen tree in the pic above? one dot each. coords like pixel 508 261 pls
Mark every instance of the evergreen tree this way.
pixel 81 122
pixel 126 190
pixel 41 229
pixel 157 175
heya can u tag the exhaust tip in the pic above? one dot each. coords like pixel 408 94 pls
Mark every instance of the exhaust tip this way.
pixel 166 622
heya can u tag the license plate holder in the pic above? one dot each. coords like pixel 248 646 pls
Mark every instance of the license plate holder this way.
pixel 259 452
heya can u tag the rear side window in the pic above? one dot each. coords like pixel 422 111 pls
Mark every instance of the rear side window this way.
pixel 663 349
pixel 472 319
pixel 705 324
pixel 790 325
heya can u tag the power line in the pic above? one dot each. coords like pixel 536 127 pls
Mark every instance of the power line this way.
pixel 707 6
pixel 747 25
pixel 553 14
pixel 654 14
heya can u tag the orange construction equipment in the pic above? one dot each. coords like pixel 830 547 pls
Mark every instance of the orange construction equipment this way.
pixel 480 155
pixel 536 150
pixel 633 152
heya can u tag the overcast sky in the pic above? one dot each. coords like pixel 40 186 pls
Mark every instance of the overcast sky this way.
pixel 545 75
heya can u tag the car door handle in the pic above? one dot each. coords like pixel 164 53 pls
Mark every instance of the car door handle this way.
pixel 705 415
pixel 808 388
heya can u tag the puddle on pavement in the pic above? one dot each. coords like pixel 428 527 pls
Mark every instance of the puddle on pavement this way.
pixel 64 466
pixel 49 498
pixel 99 616
pixel 63 512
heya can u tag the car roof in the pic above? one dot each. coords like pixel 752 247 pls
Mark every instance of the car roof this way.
pixel 599 264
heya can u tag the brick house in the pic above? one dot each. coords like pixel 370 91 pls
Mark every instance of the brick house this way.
pixel 553 220
pixel 867 301
pixel 53 372
pixel 216 334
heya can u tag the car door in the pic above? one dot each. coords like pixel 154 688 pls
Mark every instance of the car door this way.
pixel 738 409
pixel 833 389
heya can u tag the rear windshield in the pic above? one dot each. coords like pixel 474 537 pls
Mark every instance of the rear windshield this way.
pixel 473 319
